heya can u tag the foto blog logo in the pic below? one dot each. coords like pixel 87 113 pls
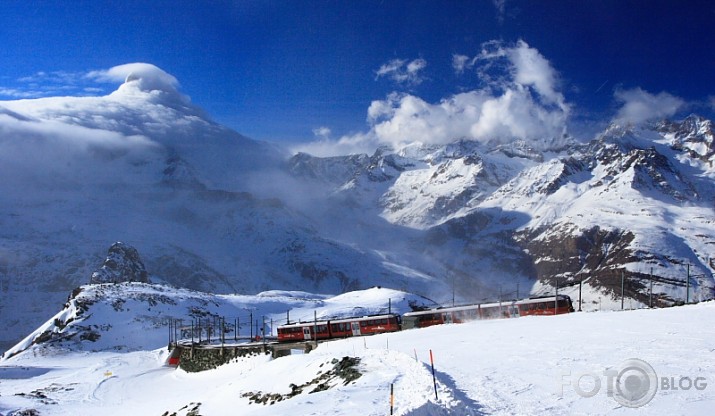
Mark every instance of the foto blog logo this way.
pixel 633 384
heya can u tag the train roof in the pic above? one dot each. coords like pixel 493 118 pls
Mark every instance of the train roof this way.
pixel 488 305
pixel 337 321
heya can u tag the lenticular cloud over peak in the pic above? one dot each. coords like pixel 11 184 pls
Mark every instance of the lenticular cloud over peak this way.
pixel 142 77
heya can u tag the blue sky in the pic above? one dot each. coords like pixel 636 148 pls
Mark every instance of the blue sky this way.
pixel 293 70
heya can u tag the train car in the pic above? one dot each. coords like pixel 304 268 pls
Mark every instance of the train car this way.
pixel 547 305
pixel 339 328
pixel 550 305
pixel 371 325
pixel 459 314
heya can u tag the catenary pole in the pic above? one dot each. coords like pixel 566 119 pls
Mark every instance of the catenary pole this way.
pixel 623 280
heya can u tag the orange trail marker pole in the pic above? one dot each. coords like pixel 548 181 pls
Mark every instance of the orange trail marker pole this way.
pixel 434 380
pixel 392 397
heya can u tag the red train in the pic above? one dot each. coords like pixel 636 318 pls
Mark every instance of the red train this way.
pixel 370 325
pixel 339 328
pixel 548 305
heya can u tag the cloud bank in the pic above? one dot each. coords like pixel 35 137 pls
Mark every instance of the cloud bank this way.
pixel 640 106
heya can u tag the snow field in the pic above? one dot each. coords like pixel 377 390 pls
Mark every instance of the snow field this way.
pixel 502 367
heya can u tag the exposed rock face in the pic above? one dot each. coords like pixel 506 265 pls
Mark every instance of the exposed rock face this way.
pixel 121 265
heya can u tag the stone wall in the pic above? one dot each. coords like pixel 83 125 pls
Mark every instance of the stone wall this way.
pixel 195 359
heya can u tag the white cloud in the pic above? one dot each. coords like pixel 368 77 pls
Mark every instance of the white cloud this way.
pixel 500 5
pixel 20 93
pixel 132 77
pixel 521 99
pixel 346 145
pixel 145 77
pixel 460 63
pixel 57 154
pixel 322 132
pixel 640 106
pixel 403 72
pixel 532 69
pixel 45 84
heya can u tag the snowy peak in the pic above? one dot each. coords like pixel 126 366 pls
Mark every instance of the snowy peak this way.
pixel 336 170
pixel 644 169
pixel 693 135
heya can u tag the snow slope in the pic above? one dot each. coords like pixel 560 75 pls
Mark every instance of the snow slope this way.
pixel 501 367
pixel 136 316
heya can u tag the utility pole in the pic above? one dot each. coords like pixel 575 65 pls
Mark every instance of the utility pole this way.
pixel 517 290
pixel 453 283
pixel 580 283
pixel 687 287
pixel 315 328
pixel 623 280
pixel 650 292
pixel 500 311
pixel 556 297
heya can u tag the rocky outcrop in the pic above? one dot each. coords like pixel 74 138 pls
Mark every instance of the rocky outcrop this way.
pixel 121 265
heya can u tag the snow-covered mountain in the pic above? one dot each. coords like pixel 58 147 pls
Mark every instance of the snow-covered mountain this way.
pixel 144 166
pixel 208 209
pixel 538 215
